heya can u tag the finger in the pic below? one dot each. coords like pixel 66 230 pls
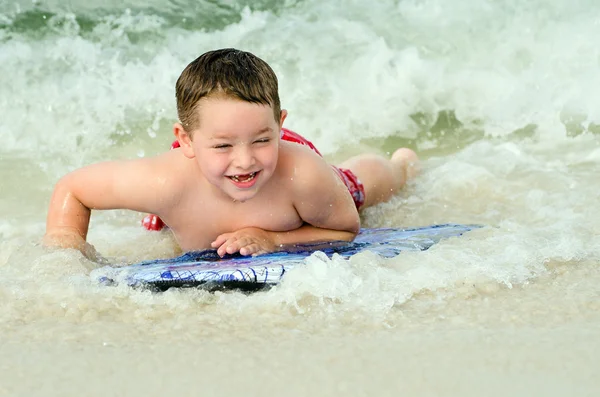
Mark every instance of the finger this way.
pixel 250 249
pixel 224 247
pixel 236 245
pixel 220 240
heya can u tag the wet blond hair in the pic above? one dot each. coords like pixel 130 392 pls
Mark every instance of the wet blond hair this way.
pixel 229 73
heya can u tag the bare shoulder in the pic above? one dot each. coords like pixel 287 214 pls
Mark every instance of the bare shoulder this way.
pixel 319 195
pixel 299 161
pixel 168 175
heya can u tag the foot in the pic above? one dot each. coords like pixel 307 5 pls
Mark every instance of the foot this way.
pixel 408 161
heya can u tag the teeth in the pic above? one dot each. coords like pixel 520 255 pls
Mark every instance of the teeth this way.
pixel 237 179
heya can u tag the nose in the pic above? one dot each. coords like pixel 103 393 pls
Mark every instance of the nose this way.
pixel 244 157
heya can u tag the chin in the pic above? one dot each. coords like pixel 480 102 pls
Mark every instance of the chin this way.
pixel 243 197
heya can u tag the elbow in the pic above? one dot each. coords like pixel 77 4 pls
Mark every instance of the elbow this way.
pixel 76 186
pixel 62 189
pixel 347 236
pixel 63 192
pixel 351 236
pixel 65 198
pixel 353 227
pixel 64 184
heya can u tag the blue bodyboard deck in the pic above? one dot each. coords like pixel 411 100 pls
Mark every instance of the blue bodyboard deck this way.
pixel 207 270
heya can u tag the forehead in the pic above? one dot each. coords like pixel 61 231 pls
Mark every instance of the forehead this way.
pixel 230 114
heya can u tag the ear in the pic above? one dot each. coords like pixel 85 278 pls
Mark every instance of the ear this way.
pixel 185 140
pixel 284 114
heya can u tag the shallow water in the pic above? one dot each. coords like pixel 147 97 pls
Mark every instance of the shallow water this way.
pixel 497 97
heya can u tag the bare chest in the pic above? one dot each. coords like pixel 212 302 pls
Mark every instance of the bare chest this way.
pixel 200 220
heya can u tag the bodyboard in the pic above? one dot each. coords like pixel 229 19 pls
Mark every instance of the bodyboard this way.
pixel 207 270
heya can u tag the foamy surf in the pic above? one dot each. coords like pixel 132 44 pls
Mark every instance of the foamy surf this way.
pixel 498 98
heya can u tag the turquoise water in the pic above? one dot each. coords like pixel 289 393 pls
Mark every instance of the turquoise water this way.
pixel 500 99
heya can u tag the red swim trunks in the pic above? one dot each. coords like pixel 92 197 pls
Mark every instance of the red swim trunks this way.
pixel 354 185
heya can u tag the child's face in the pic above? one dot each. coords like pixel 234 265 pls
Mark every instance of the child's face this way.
pixel 236 145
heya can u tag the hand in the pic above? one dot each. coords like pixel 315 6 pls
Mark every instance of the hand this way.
pixel 72 240
pixel 247 241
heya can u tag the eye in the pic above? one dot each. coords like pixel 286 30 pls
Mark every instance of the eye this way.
pixel 262 140
pixel 222 146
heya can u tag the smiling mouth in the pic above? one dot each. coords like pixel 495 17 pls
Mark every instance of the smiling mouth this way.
pixel 243 178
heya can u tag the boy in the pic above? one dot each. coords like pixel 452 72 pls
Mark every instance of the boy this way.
pixel 236 183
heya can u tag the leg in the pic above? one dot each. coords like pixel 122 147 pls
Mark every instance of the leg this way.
pixel 381 177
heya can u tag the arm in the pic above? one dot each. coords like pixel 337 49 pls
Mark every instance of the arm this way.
pixel 323 201
pixel 324 204
pixel 309 234
pixel 256 241
pixel 109 185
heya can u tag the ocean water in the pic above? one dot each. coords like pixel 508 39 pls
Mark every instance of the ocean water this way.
pixel 501 99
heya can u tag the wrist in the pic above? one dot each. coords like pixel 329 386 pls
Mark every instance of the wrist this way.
pixel 63 239
pixel 276 240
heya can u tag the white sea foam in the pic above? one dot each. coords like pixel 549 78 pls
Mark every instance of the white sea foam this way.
pixel 522 158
